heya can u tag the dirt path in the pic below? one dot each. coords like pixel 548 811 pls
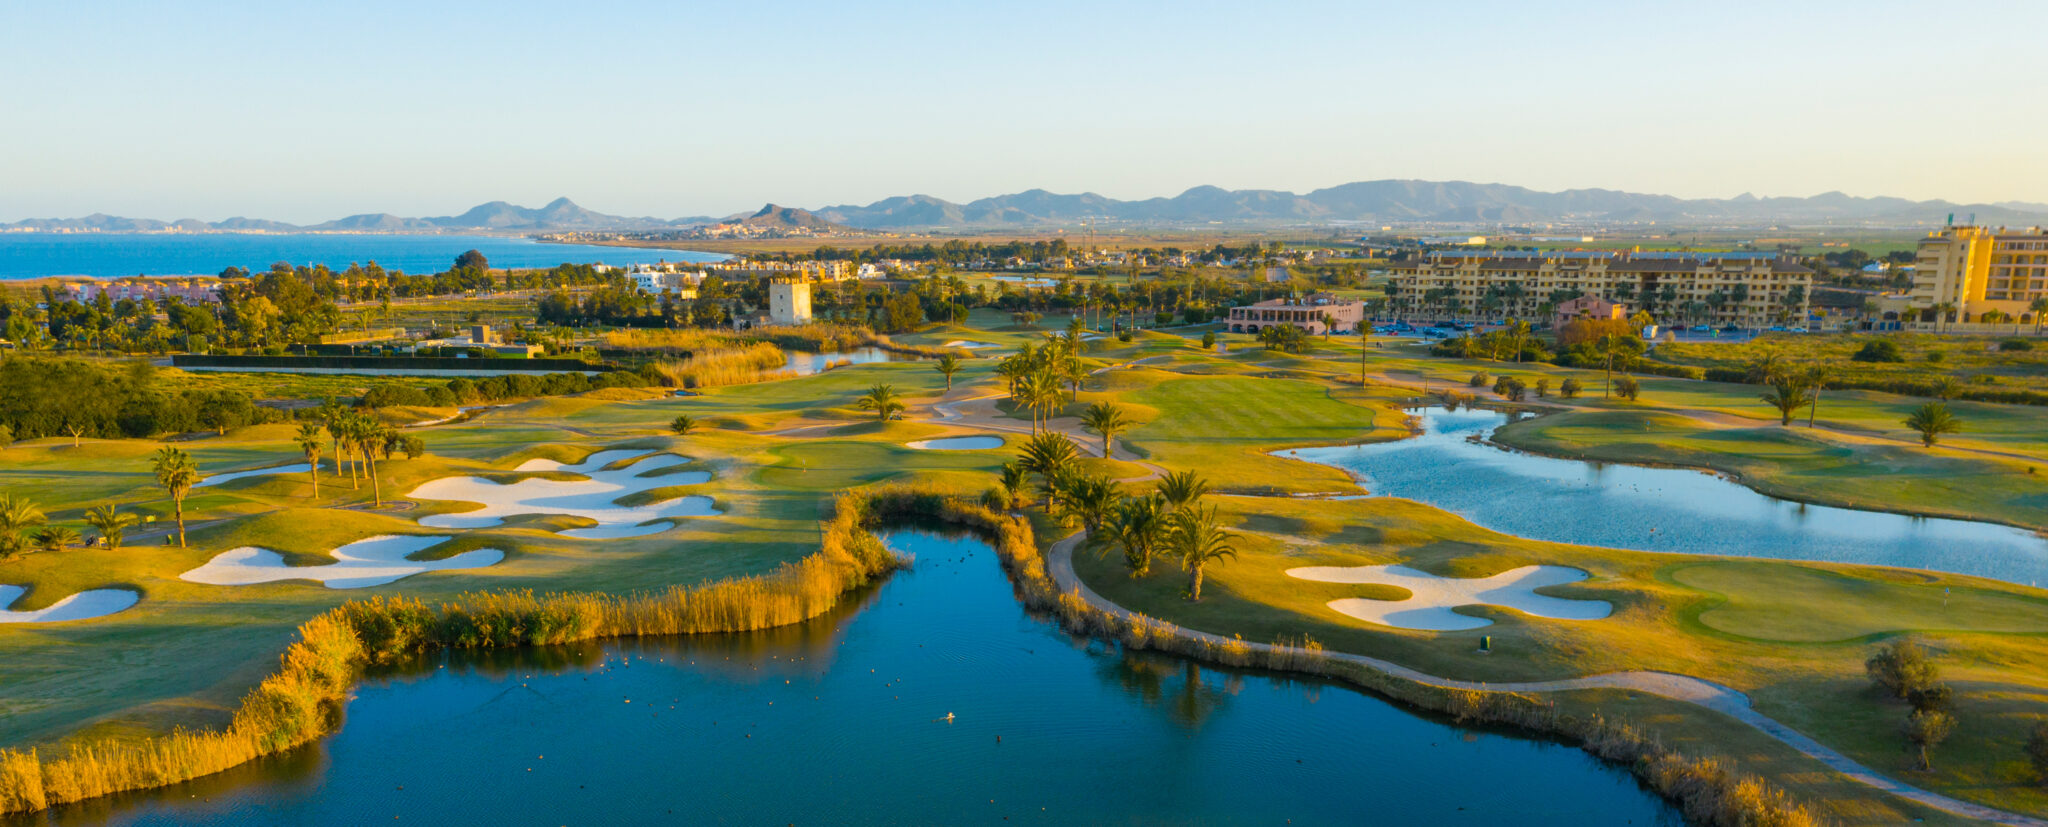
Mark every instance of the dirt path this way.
pixel 1059 563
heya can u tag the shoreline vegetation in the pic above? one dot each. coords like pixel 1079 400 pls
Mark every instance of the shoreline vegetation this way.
pixel 301 701
pixel 716 358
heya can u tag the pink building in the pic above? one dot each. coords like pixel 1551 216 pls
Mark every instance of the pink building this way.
pixel 1308 314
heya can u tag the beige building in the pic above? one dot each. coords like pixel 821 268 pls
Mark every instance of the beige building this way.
pixel 1967 271
pixel 1743 289
pixel 789 301
pixel 1308 315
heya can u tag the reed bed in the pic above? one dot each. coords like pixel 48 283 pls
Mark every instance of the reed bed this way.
pixel 821 337
pixel 302 700
pixel 726 365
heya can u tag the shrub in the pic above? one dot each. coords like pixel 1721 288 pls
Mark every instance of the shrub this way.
pixel 1480 379
pixel 2015 344
pixel 1510 388
pixel 1570 388
pixel 1162 318
pixel 1542 387
pixel 1734 375
pixel 1209 340
pixel 1879 350
pixel 1935 356
pixel 2037 751
pixel 1900 668
pixel 1628 388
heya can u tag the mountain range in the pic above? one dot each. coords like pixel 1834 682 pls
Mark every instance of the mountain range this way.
pixel 1387 201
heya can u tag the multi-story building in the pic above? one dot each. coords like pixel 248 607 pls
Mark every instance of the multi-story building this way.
pixel 1743 289
pixel 1964 272
pixel 1309 314
pixel 190 290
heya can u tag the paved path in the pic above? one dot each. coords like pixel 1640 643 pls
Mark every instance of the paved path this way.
pixel 1059 563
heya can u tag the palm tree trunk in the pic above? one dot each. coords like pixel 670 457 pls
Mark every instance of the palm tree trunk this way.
pixel 376 493
pixel 1813 409
pixel 316 475
pixel 1195 582
pixel 178 508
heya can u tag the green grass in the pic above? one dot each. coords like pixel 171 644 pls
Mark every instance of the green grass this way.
pixel 1223 427
pixel 1796 604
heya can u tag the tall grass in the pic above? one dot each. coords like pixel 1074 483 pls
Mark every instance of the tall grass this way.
pixel 301 701
pixel 821 337
pixel 727 365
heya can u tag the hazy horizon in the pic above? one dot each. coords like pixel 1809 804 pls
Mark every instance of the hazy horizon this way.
pixel 310 114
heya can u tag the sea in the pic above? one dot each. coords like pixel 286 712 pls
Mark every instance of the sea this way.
pixel 114 255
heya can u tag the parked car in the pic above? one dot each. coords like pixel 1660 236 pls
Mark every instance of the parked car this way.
pixel 1702 328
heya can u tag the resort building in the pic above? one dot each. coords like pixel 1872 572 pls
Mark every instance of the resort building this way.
pixel 1743 289
pixel 1309 314
pixel 655 278
pixel 190 290
pixel 1961 273
pixel 1587 307
pixel 789 301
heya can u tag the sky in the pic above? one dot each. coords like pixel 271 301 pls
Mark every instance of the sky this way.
pixel 305 112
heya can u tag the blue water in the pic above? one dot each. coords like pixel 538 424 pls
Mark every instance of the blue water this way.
pixel 106 255
pixel 843 721
pixel 1663 509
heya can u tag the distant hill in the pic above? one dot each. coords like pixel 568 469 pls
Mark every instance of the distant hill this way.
pixel 1363 202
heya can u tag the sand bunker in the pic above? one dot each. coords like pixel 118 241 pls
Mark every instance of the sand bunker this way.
pixel 964 344
pixel 958 443
pixel 81 606
pixel 257 472
pixel 594 497
pixel 1433 597
pixel 372 561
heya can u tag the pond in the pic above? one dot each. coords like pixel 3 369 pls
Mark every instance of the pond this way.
pixel 805 364
pixel 958 443
pixel 1662 509
pixel 845 720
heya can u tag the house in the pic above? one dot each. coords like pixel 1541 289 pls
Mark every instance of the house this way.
pixel 1587 307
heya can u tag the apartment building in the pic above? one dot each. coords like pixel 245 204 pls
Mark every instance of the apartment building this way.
pixel 1969 271
pixel 1739 288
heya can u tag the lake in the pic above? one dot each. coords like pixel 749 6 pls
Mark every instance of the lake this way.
pixel 107 255
pixel 1662 509
pixel 844 720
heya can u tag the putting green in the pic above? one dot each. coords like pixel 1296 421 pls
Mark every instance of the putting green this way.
pixel 1798 604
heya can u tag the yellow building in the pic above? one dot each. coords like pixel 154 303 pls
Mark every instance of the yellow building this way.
pixel 1743 289
pixel 1968 271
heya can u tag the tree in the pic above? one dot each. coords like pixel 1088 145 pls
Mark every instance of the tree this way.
pixel 56 538
pixel 1048 454
pixel 17 515
pixel 1570 388
pixel 1013 478
pixel 1106 420
pixel 1090 498
pixel 1932 420
pixel 883 400
pixel 1195 539
pixel 1927 728
pixel 1789 392
pixel 310 440
pixel 472 261
pixel 1628 388
pixel 1137 527
pixel 1818 376
pixel 175 474
pixel 1900 668
pixel 1518 332
pixel 683 424
pixel 1182 488
pixel 110 523
pixel 2039 306
pixel 1946 388
pixel 948 365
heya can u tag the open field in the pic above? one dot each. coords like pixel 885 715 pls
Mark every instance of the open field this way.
pixel 1792 635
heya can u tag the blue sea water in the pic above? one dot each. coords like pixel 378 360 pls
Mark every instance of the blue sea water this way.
pixel 110 255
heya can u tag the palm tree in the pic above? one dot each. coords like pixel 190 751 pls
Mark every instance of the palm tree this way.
pixel 1941 312
pixel 176 474
pixel 1789 392
pixel 1946 388
pixel 883 400
pixel 1194 537
pixel 375 439
pixel 2039 306
pixel 56 538
pixel 1040 392
pixel 1013 477
pixel 1090 498
pixel 948 365
pixel 309 439
pixel 110 523
pixel 1107 420
pixel 1818 376
pixel 1518 332
pixel 683 424
pixel 17 514
pixel 1048 454
pixel 1137 527
pixel 1932 420
pixel 1182 488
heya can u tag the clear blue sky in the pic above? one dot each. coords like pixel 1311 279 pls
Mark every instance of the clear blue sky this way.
pixel 309 111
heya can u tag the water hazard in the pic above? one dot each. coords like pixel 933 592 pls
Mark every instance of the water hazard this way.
pixel 1662 509
pixel 845 720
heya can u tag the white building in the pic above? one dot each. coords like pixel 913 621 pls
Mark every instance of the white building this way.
pixel 654 278
pixel 789 301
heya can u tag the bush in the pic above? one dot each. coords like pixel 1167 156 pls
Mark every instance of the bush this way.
pixel 1510 388
pixel 2016 344
pixel 1480 379
pixel 1542 387
pixel 1935 356
pixel 1209 340
pixel 1162 318
pixel 1735 375
pixel 2037 751
pixel 1880 350
pixel 1570 388
pixel 1628 388
pixel 1901 668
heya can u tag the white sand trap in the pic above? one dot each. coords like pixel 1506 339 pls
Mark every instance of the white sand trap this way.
pixel 964 344
pixel 258 472
pixel 1433 597
pixel 958 443
pixel 372 561
pixel 594 497
pixel 81 606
